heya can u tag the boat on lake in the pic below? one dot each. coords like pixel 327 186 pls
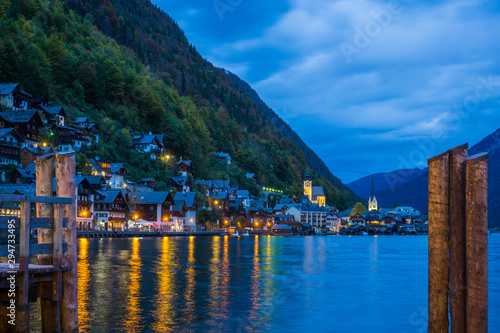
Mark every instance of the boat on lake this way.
pixel 245 233
pixel 235 233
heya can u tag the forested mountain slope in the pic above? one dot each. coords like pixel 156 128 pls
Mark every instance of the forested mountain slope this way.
pixel 128 66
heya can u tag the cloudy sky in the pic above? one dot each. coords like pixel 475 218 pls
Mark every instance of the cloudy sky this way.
pixel 370 85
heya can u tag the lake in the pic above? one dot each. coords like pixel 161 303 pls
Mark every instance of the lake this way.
pixel 261 284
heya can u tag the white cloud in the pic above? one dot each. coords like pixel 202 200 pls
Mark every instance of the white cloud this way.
pixel 399 88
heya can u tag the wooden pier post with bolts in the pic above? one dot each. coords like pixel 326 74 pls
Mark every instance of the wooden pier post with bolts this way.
pixel 65 187
pixel 458 242
pixel 477 244
pixel 44 187
pixel 439 226
pixel 458 156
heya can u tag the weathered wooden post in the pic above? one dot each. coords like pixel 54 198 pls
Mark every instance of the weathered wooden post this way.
pixel 477 244
pixel 65 187
pixel 458 157
pixel 439 225
pixel 22 306
pixel 44 187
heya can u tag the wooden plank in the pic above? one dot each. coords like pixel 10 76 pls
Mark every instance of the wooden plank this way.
pixel 36 222
pixel 476 234
pixel 34 249
pixel 458 156
pixel 439 225
pixel 35 199
pixel 32 270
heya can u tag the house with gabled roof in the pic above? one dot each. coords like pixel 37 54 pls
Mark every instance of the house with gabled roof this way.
pixel 81 121
pixel 98 182
pixel 53 114
pixel 333 221
pixel 148 181
pixel 70 138
pixel 90 129
pixel 29 155
pixel 24 175
pixel 37 102
pixel 10 146
pixel 186 167
pixel 85 198
pixel 218 200
pixel 188 221
pixel 223 157
pixel 180 183
pixel 116 176
pixel 12 97
pixel 151 144
pixel 314 215
pixel 26 123
pixel 214 185
pixel 111 210
pixel 152 207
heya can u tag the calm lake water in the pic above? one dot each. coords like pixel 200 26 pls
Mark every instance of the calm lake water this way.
pixel 261 284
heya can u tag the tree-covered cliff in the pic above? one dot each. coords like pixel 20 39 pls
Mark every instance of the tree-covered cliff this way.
pixel 128 66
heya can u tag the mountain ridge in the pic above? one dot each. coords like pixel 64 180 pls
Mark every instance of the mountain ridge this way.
pixel 415 192
pixel 384 181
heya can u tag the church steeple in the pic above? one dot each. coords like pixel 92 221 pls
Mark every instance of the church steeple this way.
pixel 308 186
pixel 372 201
pixel 372 192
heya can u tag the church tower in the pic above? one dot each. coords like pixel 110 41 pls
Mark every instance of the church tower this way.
pixel 308 186
pixel 372 201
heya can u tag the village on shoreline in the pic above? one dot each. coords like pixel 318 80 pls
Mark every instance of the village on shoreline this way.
pixel 109 203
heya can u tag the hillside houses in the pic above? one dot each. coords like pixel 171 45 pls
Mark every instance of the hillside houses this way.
pixel 53 114
pixel 154 208
pixel 111 210
pixel 26 123
pixel 180 183
pixel 71 138
pixel 10 146
pixel 186 167
pixel 90 129
pixel 223 157
pixel 12 97
pixel 184 219
pixel 151 144
pixel 29 155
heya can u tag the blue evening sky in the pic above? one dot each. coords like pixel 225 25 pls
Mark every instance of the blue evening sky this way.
pixel 370 86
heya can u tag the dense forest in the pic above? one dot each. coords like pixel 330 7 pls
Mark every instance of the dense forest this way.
pixel 128 66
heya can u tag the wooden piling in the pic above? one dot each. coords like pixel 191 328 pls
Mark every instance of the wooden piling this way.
pixel 44 187
pixel 65 187
pixel 458 157
pixel 22 305
pixel 439 225
pixel 476 234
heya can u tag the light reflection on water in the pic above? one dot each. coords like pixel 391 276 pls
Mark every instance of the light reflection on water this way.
pixel 83 284
pixel 164 300
pixel 133 314
pixel 259 284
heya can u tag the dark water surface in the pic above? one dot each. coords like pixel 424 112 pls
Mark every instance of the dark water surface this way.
pixel 261 284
